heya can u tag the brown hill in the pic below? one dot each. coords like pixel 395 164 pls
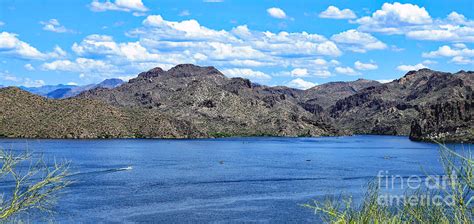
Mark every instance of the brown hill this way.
pixel 25 115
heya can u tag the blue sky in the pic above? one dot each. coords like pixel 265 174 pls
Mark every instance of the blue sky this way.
pixel 273 42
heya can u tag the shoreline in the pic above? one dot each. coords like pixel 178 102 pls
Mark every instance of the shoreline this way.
pixel 239 137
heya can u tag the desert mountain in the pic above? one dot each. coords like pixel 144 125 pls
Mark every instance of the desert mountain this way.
pixel 193 101
pixel 216 104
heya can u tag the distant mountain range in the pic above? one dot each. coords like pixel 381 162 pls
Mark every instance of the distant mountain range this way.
pixel 65 91
pixel 189 101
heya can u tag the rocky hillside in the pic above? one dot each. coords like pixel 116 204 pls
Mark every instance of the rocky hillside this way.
pixel 25 115
pixel 328 94
pixel 424 103
pixel 215 104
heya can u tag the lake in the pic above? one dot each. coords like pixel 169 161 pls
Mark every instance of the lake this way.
pixel 221 180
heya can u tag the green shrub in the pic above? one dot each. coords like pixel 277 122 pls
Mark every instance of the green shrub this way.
pixel 457 167
pixel 34 184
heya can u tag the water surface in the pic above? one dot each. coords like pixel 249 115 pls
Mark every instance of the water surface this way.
pixel 221 180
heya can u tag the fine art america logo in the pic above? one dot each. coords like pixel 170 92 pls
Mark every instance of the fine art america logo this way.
pixel 431 190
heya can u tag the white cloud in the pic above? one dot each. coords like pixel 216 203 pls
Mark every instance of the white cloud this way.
pixel 462 60
pixel 391 17
pixel 416 23
pixel 185 13
pixel 82 65
pixel 459 45
pixel 333 12
pixel 299 72
pixel 247 73
pixel 365 66
pixel 164 43
pixel 53 25
pixel 385 80
pixel 240 45
pixel 447 51
pixel 19 81
pixel 29 67
pixel 459 53
pixel 407 68
pixel 346 71
pixel 276 13
pixel 301 84
pixel 11 45
pixel 118 5
pixel 358 41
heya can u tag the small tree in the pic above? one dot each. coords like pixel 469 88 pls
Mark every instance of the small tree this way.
pixel 29 183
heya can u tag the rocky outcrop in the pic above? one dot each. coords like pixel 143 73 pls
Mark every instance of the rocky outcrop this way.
pixel 445 121
pixel 408 105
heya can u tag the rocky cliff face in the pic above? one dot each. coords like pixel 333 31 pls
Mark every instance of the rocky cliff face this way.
pixel 392 108
pixel 446 120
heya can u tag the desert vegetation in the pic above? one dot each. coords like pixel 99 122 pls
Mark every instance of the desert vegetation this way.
pixel 458 168
pixel 29 184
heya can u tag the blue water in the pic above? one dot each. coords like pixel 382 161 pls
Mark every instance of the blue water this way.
pixel 221 180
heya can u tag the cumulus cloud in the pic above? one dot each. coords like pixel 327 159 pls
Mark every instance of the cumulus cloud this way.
pixel 301 84
pixel 163 43
pixel 406 68
pixel 29 67
pixel 53 25
pixel 391 17
pixel 332 12
pixel 237 46
pixel 256 76
pixel 416 23
pixel 358 41
pixel 447 51
pixel 346 71
pixel 83 65
pixel 462 60
pixel 11 45
pixel 299 72
pixel 365 66
pixel 276 13
pixel 459 53
pixel 118 5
